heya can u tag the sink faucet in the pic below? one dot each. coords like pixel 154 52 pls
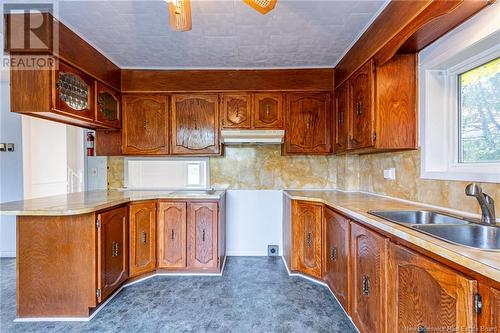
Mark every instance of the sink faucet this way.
pixel 486 203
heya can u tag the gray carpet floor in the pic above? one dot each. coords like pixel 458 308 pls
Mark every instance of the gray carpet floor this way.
pixel 255 294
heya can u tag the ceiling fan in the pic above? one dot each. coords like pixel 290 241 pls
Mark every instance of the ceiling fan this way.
pixel 180 12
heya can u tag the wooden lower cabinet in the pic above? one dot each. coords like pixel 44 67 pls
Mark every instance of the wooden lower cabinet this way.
pixel 203 228
pixel 307 223
pixel 426 296
pixel 336 259
pixel 369 260
pixel 142 232
pixel 172 242
pixel 188 235
pixel 113 251
pixel 494 309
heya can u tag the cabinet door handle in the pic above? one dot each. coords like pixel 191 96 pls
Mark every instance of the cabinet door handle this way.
pixel 172 234
pixel 203 235
pixel 366 285
pixel 359 109
pixel 421 329
pixel 309 239
pixel 145 125
pixel 333 254
pixel 115 249
pixel 341 117
pixel 143 237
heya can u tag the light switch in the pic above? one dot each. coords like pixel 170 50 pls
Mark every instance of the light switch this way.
pixel 390 173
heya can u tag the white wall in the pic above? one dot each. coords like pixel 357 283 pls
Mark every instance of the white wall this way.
pixel 11 167
pixel 253 221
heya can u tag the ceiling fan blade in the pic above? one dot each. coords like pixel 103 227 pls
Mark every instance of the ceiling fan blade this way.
pixel 262 6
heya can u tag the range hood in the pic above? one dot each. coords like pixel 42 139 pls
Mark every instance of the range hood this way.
pixel 252 136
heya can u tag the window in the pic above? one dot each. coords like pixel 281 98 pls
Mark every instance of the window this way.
pixel 479 106
pixel 166 173
pixel 459 102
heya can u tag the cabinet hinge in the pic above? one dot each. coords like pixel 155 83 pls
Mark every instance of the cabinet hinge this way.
pixel 478 303
pixel 98 293
pixel 374 136
pixel 98 221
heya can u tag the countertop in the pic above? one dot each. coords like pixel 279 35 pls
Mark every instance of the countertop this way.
pixel 91 201
pixel 357 204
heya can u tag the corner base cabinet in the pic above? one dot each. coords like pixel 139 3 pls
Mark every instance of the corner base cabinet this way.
pixel 307 238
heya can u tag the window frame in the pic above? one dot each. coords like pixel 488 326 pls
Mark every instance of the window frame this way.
pixel 206 160
pixel 468 46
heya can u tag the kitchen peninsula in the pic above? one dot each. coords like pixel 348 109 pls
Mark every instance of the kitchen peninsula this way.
pixel 74 251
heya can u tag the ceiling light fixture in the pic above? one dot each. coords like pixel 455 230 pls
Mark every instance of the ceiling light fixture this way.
pixel 262 6
pixel 180 15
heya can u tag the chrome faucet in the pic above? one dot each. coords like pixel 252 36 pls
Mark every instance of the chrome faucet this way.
pixel 486 203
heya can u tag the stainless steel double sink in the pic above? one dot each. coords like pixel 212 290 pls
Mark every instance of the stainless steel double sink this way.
pixel 450 228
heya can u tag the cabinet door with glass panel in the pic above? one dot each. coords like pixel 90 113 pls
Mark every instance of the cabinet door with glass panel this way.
pixel 73 93
pixel 107 106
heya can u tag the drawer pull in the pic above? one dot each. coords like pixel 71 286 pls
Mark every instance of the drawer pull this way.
pixel 115 249
pixel 333 254
pixel 309 239
pixel 359 110
pixel 143 237
pixel 366 285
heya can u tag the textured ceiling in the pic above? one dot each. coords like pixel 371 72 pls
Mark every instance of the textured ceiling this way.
pixel 226 33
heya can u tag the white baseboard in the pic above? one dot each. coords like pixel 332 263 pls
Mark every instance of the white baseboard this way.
pixel 7 254
pixel 246 253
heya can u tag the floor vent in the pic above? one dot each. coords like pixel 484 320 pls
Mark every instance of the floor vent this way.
pixel 273 250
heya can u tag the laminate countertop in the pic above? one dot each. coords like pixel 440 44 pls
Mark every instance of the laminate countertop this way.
pixel 357 204
pixel 92 201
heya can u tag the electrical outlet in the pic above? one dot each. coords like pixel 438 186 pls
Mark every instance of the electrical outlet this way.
pixel 390 174
pixel 273 250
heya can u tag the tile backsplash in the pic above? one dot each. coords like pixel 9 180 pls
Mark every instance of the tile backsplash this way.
pixel 263 168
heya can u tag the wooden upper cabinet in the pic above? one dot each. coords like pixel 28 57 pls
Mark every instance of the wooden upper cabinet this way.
pixel 145 124
pixel 308 123
pixel 362 111
pixel 107 106
pixel 380 107
pixel 74 92
pixel 268 110
pixel 424 295
pixel 142 236
pixel 337 265
pixel 368 271
pixel 112 251
pixel 306 238
pixel 172 233
pixel 195 125
pixel 341 121
pixel 203 235
pixel 236 110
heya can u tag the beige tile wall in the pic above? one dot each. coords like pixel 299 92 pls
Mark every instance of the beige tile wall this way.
pixel 408 184
pixel 263 167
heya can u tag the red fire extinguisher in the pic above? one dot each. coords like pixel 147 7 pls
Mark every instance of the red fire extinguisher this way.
pixel 90 144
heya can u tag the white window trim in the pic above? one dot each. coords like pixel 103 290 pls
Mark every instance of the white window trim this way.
pixel 204 159
pixel 440 65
